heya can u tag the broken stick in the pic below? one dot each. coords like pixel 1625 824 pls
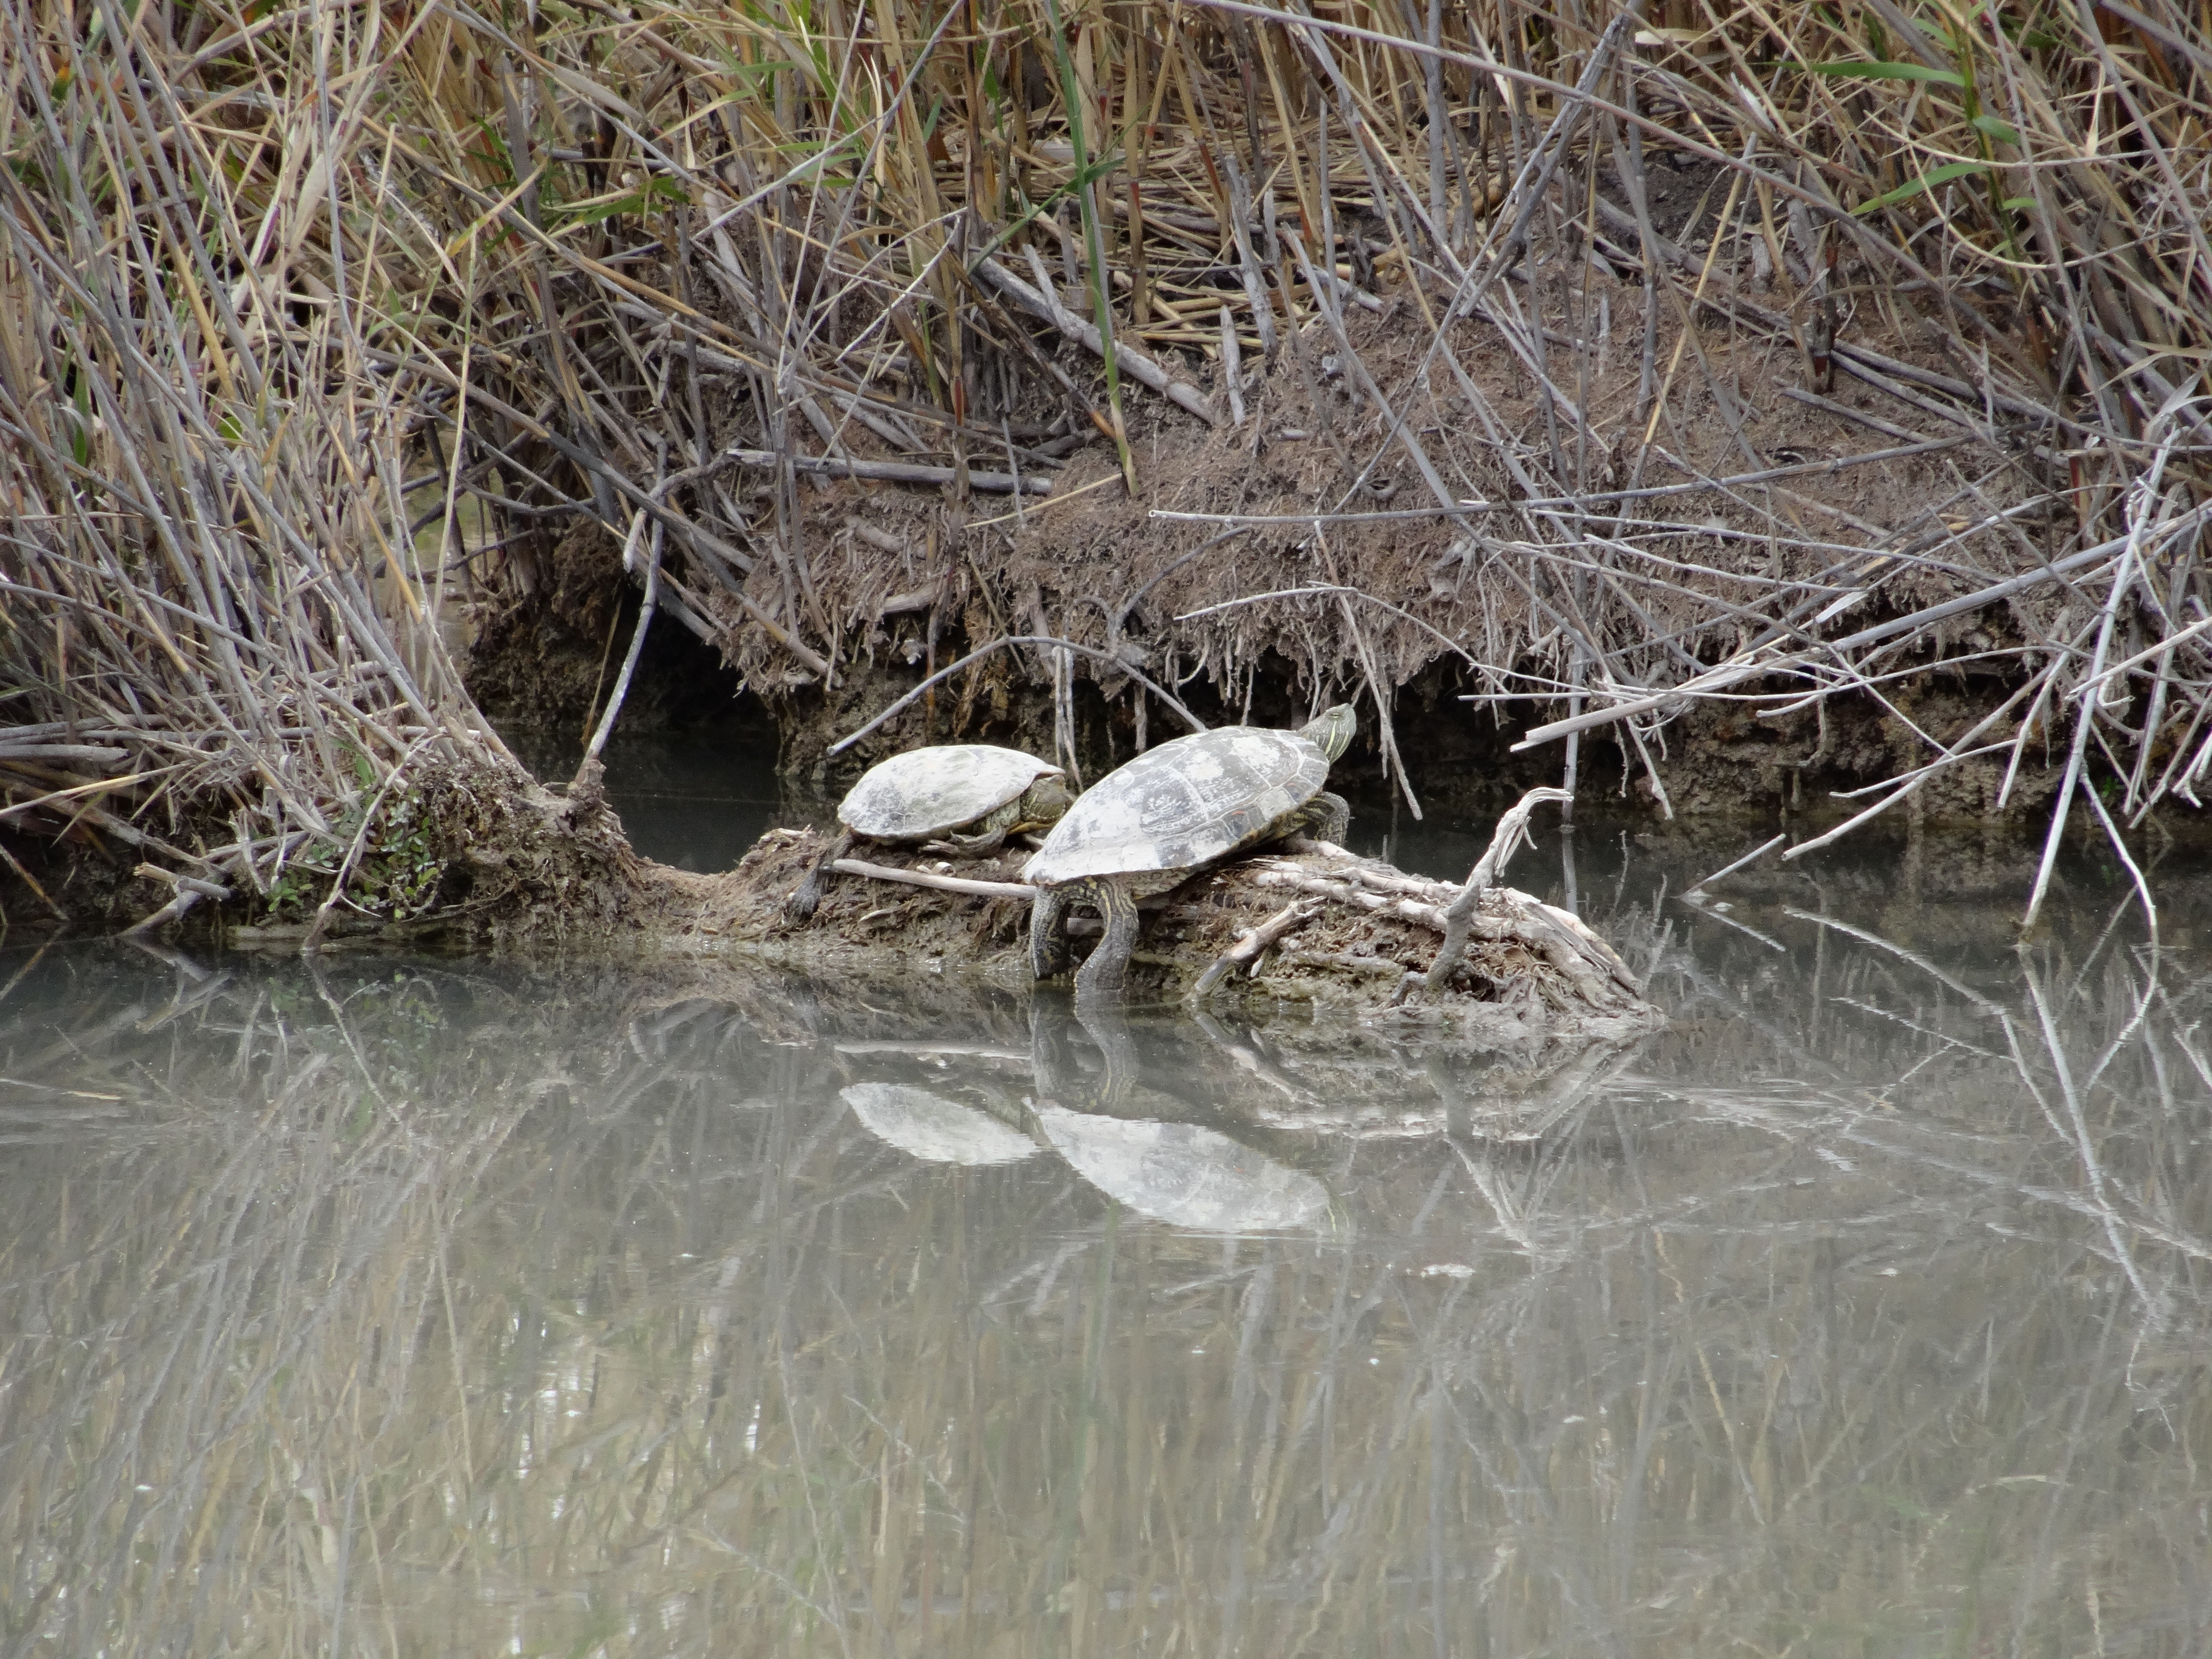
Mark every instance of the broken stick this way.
pixel 1512 832
pixel 1253 941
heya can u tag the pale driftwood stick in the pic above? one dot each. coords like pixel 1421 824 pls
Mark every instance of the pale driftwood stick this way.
pixel 1342 960
pixel 1291 917
pixel 1012 889
pixel 912 472
pixel 1752 857
pixel 1575 934
pixel 1328 849
pixel 189 891
pixel 184 901
pixel 1053 640
pixel 31 882
pixel 1510 836
pixel 1512 831
pixel 1045 307
pixel 636 640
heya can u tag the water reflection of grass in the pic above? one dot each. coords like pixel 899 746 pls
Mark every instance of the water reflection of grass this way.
pixel 414 1310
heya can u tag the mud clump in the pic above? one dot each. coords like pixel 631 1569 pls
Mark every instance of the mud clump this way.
pixel 1530 971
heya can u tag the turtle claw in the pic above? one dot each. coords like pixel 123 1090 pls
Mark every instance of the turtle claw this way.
pixel 1047 935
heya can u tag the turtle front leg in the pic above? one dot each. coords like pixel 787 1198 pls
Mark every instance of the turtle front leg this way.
pixel 1100 979
pixel 1327 817
pixel 807 896
pixel 1048 933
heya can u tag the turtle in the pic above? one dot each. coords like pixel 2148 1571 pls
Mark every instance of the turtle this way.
pixel 1148 826
pixel 937 793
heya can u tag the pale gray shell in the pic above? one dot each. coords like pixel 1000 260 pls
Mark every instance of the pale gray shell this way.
pixel 933 1128
pixel 1182 1174
pixel 1178 806
pixel 930 792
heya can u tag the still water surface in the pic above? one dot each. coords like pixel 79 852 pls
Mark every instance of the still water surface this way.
pixel 428 1307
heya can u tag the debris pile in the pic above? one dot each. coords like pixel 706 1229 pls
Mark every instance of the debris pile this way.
pixel 1304 922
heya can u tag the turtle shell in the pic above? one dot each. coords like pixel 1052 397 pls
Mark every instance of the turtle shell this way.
pixel 930 792
pixel 1182 804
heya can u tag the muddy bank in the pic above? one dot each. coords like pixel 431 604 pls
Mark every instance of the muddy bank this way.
pixel 1455 757
pixel 1454 637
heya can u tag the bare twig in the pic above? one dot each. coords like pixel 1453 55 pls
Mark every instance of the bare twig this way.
pixel 1048 640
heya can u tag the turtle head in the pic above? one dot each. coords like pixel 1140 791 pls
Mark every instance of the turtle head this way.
pixel 1044 803
pixel 1331 731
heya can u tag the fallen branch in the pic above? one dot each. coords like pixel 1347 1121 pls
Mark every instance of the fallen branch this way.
pixel 1511 834
pixel 188 891
pixel 908 473
pixel 1752 857
pixel 55 753
pixel 1253 942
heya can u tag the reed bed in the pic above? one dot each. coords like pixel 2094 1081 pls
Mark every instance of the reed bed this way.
pixel 319 322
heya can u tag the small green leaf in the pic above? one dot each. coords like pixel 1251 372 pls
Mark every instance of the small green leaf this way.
pixel 1997 129
pixel 1888 72
pixel 1942 175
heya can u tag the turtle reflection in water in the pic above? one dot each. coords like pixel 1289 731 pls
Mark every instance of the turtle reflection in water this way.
pixel 970 795
pixel 1168 813
pixel 1183 1174
pixel 936 1130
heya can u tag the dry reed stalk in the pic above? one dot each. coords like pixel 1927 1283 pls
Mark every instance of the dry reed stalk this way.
pixel 322 307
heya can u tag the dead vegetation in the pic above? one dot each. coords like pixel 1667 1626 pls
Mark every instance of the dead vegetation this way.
pixel 1626 361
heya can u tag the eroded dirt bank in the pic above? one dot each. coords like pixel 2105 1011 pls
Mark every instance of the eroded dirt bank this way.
pixel 1454 637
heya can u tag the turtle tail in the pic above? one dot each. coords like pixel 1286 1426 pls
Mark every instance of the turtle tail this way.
pixel 806 897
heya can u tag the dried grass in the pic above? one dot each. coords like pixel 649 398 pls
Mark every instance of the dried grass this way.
pixel 314 320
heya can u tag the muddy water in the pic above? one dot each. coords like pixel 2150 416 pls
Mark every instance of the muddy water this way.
pixel 417 1307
